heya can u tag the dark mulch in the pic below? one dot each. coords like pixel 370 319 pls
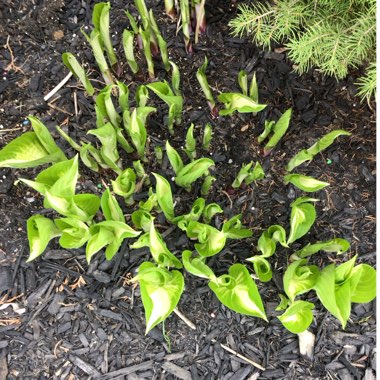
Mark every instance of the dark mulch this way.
pixel 73 321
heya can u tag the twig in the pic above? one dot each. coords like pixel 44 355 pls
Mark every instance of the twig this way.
pixel 58 86
pixel 11 65
pixel 185 319
pixel 10 130
pixel 240 356
pixel 75 104
pixel 228 196
pixel 59 109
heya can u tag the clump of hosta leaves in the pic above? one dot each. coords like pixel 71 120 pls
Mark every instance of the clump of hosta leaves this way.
pixel 99 223
pixel 192 16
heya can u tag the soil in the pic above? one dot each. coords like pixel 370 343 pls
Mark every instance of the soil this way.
pixel 70 320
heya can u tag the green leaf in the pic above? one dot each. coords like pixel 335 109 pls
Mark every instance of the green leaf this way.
pixel 266 245
pixel 278 130
pixel 321 144
pixel 284 303
pixel 206 185
pixel 110 207
pixel 278 234
pixel 133 23
pixel 109 233
pixel 243 82
pixel 143 113
pixel 40 231
pixel 142 219
pixel 207 135
pixel 46 139
pixel 268 239
pixel 174 158
pixel 334 245
pixel 233 228
pixel 123 96
pixel 238 291
pixel 128 37
pixel 175 102
pixel 211 240
pixel 190 147
pixel 299 278
pixel 194 214
pixel 268 127
pixel 324 286
pixel 60 179
pixel 74 66
pixel 202 79
pixel 302 217
pixel 95 40
pixel 80 206
pixel 31 149
pixel 90 156
pixel 255 174
pixel 176 78
pixel 125 185
pixel 74 233
pixel 137 131
pixel 142 95
pixel 248 175
pixel 191 172
pixel 160 292
pixel 98 240
pixel 298 316
pixel 164 196
pixel 365 278
pixel 146 37
pixel 210 210
pixel 197 266
pixel 143 11
pixel 140 171
pixel 261 267
pixel 238 102
pixel 254 89
pixel 243 173
pixel 106 106
pixel 71 141
pixel 305 183
pixel 160 40
pixel 107 137
pixel 100 18
pixel 159 250
pixel 150 203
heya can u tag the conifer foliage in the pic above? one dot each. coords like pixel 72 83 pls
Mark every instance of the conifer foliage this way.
pixel 333 35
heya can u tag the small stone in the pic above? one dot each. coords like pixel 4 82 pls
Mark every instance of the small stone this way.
pixel 58 35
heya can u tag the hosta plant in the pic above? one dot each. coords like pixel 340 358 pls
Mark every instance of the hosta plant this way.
pixel 175 102
pixel 308 154
pixel 276 130
pixel 336 287
pixel 202 79
pixel 31 148
pixel 245 102
pixel 248 174
pixel 192 16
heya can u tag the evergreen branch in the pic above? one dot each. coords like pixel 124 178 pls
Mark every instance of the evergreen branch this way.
pixel 367 83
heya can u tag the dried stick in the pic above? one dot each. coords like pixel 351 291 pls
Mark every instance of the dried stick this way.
pixel 185 319
pixel 58 86
pixel 241 356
